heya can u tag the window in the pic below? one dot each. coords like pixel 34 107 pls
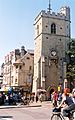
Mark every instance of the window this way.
pixel 30 67
pixel 20 67
pixel 28 58
pixel 37 29
pixel 60 39
pixel 60 27
pixel 46 26
pixel 45 57
pixel 15 80
pixel 53 28
pixel 46 37
pixel 16 66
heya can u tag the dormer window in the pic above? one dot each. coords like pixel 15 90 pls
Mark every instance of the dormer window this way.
pixel 53 28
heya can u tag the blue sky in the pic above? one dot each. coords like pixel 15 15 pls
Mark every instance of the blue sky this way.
pixel 17 19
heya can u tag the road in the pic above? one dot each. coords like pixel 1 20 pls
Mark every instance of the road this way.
pixel 26 113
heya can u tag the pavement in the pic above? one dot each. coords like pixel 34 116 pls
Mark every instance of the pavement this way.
pixel 34 104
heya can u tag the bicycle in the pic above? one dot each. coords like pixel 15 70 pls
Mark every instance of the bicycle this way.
pixel 58 115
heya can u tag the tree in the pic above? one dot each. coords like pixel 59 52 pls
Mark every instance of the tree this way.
pixel 71 65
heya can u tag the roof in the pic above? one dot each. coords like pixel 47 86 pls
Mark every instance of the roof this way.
pixel 18 62
pixel 30 51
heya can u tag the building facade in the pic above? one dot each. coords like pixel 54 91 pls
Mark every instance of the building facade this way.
pixel 18 69
pixel 23 72
pixel 52 35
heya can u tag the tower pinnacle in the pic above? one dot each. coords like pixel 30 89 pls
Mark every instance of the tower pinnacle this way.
pixel 49 9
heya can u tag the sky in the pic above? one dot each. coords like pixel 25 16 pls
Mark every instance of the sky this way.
pixel 17 19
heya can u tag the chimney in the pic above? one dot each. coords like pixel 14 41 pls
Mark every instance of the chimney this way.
pixel 23 51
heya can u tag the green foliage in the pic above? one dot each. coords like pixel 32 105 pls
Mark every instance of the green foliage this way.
pixel 71 66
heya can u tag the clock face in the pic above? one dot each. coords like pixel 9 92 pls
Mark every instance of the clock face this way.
pixel 53 53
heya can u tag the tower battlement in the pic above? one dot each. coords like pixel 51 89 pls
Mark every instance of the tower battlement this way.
pixel 64 13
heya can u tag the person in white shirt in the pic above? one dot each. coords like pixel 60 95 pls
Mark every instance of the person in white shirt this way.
pixel 73 95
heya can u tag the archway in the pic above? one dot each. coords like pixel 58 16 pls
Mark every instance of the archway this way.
pixel 50 90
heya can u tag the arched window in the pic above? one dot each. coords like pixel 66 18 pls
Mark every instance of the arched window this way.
pixel 53 28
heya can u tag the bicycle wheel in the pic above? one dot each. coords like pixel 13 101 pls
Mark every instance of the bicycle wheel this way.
pixel 56 117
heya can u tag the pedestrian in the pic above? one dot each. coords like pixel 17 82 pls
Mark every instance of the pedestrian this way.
pixel 55 98
pixel 36 98
pixel 59 97
pixel 3 98
pixel 40 97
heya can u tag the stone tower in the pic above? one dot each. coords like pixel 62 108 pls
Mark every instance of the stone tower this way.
pixel 52 35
